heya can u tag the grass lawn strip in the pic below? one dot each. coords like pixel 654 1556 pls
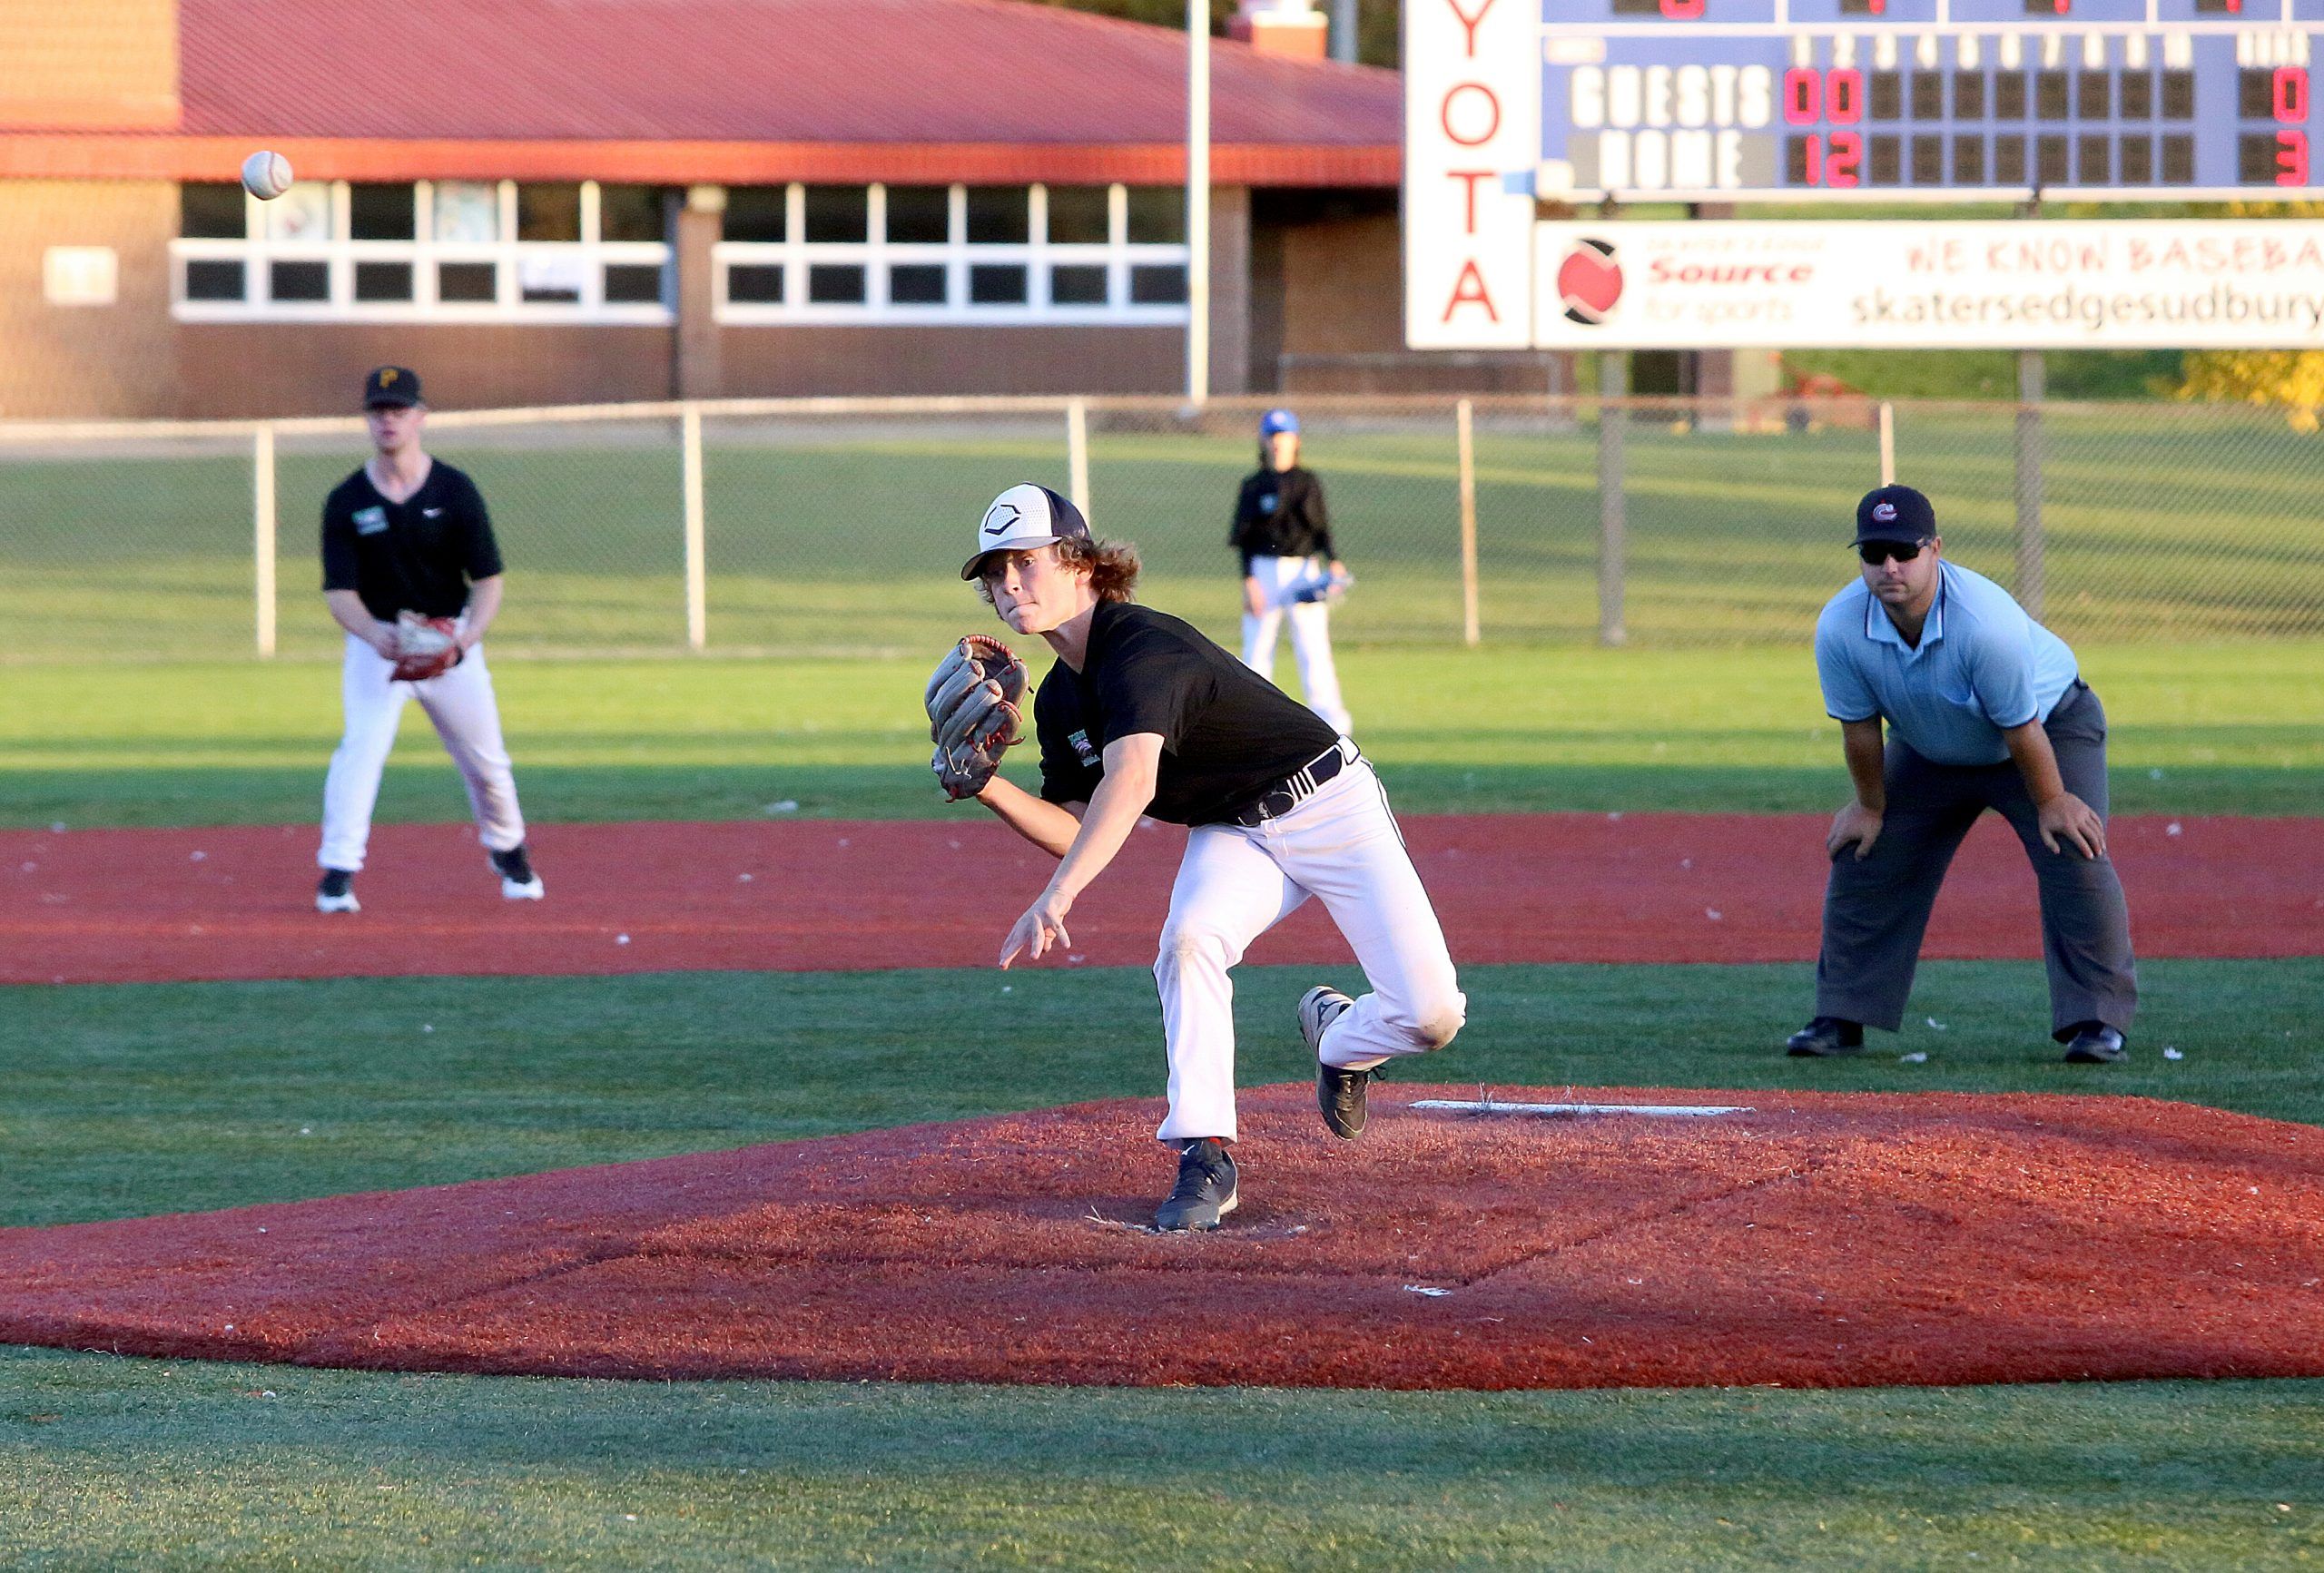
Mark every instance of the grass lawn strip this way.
pixel 2232 728
pixel 168 1464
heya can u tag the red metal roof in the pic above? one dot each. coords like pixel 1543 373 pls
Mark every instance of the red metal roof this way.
pixel 987 72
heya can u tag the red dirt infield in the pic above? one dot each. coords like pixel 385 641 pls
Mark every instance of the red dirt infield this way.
pixel 101 906
pixel 1818 1240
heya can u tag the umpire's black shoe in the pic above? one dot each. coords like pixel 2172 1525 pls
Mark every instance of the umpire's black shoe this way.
pixel 1205 1189
pixel 1826 1038
pixel 2095 1043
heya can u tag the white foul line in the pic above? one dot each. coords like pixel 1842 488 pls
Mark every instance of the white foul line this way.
pixel 1661 1111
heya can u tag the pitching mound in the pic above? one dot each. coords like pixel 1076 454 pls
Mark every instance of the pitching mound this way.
pixel 1834 1240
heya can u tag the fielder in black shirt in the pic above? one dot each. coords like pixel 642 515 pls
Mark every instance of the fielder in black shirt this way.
pixel 418 554
pixel 407 536
pixel 1291 569
pixel 1144 715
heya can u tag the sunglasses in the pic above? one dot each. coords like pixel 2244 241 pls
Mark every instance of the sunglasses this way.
pixel 1890 551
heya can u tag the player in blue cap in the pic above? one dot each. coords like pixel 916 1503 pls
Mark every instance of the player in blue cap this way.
pixel 1290 567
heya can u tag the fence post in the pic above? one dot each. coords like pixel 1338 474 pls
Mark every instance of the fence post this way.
pixel 262 534
pixel 1471 632
pixel 1887 444
pixel 2031 380
pixel 1613 381
pixel 1077 453
pixel 697 579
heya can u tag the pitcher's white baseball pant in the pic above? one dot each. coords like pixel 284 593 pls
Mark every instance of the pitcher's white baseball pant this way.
pixel 466 717
pixel 1311 634
pixel 1342 845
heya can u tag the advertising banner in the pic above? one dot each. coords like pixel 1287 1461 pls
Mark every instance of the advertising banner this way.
pixel 1473 125
pixel 1908 284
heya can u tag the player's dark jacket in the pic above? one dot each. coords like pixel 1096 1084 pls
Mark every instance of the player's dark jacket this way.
pixel 1228 733
pixel 417 556
pixel 1280 514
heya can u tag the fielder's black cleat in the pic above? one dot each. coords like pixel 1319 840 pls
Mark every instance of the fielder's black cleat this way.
pixel 2095 1043
pixel 1205 1189
pixel 517 880
pixel 1826 1038
pixel 336 893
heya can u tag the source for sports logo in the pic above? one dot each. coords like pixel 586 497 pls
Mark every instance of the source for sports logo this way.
pixel 1590 282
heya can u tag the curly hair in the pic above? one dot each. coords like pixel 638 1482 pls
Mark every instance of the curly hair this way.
pixel 1112 567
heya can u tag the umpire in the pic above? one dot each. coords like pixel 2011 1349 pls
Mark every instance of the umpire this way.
pixel 1985 709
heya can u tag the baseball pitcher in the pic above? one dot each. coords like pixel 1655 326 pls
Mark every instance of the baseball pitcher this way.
pixel 1142 714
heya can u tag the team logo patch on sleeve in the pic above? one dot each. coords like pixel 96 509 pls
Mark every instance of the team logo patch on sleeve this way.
pixel 1081 748
pixel 370 521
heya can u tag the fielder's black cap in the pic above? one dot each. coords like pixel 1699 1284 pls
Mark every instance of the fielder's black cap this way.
pixel 1894 514
pixel 392 384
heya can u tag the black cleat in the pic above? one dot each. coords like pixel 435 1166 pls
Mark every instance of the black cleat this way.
pixel 517 880
pixel 1826 1038
pixel 2095 1043
pixel 1339 1093
pixel 1205 1189
pixel 336 893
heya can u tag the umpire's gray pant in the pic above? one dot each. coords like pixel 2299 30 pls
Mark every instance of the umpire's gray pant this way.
pixel 1877 910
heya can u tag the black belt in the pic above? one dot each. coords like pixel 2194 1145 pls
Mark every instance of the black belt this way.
pixel 1292 790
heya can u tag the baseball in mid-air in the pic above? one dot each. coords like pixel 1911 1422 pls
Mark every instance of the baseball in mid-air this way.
pixel 266 175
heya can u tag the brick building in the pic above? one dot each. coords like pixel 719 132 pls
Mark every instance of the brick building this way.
pixel 579 201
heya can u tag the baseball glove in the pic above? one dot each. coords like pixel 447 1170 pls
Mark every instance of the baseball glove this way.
pixel 972 713
pixel 426 647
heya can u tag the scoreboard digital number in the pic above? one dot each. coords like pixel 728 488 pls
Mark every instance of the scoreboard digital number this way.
pixel 1704 100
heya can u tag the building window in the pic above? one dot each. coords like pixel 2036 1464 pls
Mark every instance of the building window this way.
pixel 837 214
pixel 835 283
pixel 922 254
pixel 917 284
pixel 383 280
pixel 453 251
pixel 1078 284
pixel 760 214
pixel 920 215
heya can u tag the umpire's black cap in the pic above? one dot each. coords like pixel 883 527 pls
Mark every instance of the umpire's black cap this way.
pixel 392 384
pixel 1894 514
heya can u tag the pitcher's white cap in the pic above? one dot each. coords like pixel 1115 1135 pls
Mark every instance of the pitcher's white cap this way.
pixel 1021 519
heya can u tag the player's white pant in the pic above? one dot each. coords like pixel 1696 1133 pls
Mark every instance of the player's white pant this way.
pixel 468 718
pixel 1311 634
pixel 1343 845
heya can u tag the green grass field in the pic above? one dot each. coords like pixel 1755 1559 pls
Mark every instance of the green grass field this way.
pixel 131 1100
pixel 2225 728
pixel 128 1100
pixel 2163 521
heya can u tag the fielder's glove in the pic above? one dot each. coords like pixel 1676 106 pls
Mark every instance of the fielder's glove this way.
pixel 972 713
pixel 426 647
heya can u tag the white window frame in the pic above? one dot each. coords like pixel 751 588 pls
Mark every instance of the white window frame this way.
pixel 258 253
pixel 957 256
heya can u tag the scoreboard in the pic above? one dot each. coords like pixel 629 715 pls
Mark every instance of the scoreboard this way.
pixel 1711 99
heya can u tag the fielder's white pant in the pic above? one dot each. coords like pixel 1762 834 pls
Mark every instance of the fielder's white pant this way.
pixel 1311 634
pixel 466 717
pixel 1341 845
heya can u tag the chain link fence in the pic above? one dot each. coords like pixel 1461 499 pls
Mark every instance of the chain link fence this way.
pixel 838 527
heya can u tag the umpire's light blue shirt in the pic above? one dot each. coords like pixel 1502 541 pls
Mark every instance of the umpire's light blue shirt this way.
pixel 1982 666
